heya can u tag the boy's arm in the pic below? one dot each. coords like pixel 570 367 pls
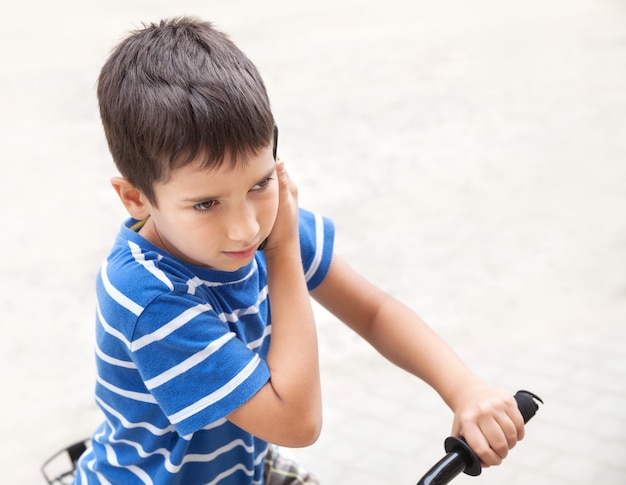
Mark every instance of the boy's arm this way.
pixel 488 418
pixel 287 411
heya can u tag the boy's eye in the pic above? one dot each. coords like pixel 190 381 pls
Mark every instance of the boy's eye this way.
pixel 203 206
pixel 262 184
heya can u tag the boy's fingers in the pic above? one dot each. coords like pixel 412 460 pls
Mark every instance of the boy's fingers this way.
pixel 497 443
pixel 477 441
pixel 287 187
pixel 280 168
pixel 283 176
pixel 492 435
pixel 515 431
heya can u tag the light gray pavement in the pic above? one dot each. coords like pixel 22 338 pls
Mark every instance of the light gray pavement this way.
pixel 473 157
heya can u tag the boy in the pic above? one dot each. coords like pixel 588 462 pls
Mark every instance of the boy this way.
pixel 206 343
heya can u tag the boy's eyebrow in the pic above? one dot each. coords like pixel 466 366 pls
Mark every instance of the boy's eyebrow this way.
pixel 212 197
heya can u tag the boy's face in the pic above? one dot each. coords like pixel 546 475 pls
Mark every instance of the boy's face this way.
pixel 215 218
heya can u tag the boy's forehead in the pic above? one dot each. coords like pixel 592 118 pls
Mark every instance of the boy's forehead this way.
pixel 250 168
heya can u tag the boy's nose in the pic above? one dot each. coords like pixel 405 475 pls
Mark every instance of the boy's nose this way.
pixel 243 225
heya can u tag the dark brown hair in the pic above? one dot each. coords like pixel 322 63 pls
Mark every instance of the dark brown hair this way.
pixel 178 90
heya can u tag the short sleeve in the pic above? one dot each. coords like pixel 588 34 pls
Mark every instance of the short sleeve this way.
pixel 195 367
pixel 317 235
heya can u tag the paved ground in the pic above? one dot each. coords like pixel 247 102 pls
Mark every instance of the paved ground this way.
pixel 472 155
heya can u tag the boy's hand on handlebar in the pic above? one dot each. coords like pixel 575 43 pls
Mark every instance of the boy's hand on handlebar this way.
pixel 490 422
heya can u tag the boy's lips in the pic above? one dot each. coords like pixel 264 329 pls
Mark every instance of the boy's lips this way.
pixel 243 254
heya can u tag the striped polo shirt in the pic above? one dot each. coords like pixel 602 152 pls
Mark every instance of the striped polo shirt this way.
pixel 178 348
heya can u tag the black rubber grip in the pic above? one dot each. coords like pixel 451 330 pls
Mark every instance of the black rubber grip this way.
pixel 527 404
pixel 461 458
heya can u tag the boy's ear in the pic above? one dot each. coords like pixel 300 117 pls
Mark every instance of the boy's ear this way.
pixel 134 201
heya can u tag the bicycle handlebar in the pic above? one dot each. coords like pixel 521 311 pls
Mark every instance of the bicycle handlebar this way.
pixel 461 458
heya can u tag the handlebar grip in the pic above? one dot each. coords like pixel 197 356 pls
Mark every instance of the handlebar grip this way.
pixel 527 405
pixel 461 458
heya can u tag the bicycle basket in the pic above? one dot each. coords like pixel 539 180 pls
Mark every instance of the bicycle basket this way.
pixel 60 468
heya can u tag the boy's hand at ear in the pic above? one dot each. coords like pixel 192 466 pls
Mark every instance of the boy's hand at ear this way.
pixel 490 422
pixel 284 235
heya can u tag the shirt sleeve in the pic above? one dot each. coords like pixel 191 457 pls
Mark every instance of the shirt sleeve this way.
pixel 193 364
pixel 317 234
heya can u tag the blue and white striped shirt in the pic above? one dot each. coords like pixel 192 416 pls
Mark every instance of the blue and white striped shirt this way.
pixel 179 347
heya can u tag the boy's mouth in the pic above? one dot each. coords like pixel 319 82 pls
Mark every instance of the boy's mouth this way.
pixel 244 254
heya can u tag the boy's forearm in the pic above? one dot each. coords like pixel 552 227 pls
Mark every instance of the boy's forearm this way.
pixel 402 337
pixel 394 330
pixel 293 355
pixel 485 416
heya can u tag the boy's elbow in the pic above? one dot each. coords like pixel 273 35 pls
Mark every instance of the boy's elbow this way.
pixel 312 432
pixel 308 435
pixel 303 431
